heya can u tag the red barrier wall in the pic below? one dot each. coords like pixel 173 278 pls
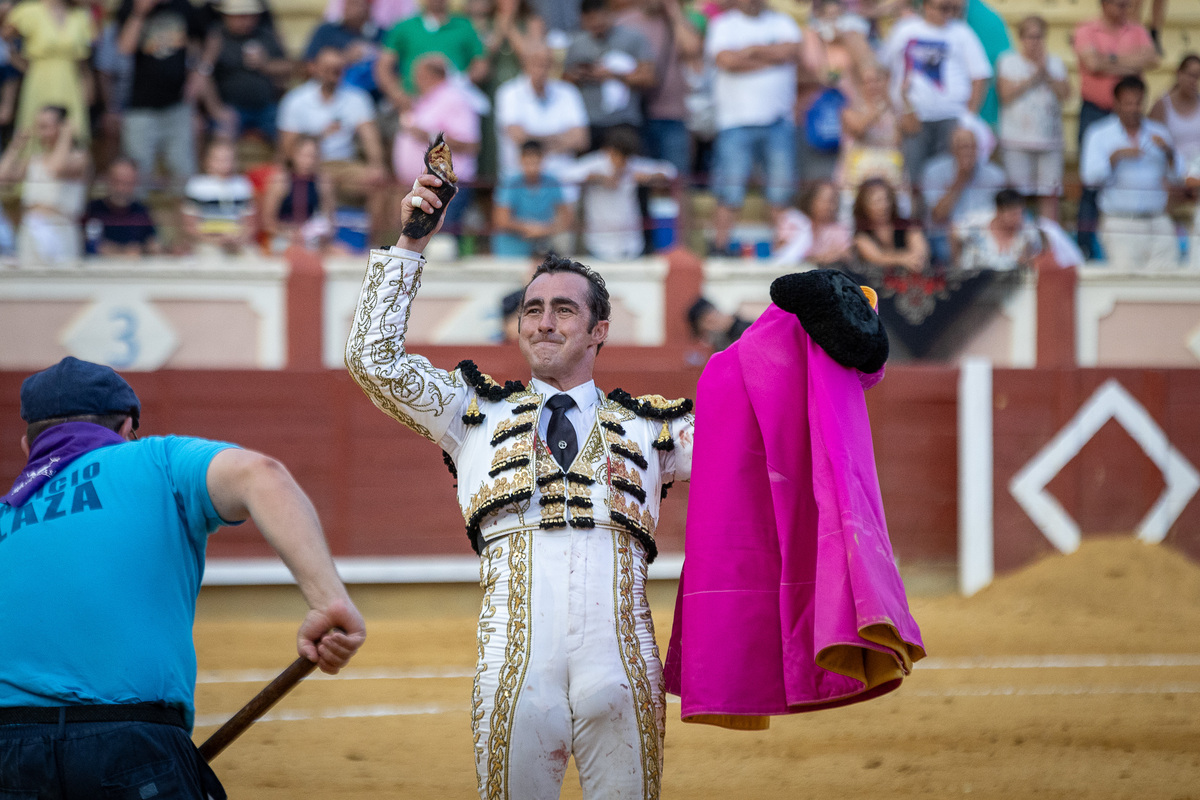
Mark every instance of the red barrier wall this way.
pixel 381 490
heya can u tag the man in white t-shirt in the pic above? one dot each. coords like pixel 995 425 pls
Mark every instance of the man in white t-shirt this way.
pixel 533 106
pixel 755 51
pixel 939 71
pixel 337 115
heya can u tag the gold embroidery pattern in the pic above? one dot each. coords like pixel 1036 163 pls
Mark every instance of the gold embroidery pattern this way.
pixel 635 518
pixel 511 457
pixel 554 491
pixel 615 413
pixel 637 521
pixel 625 447
pixel 661 403
pixel 511 427
pixel 547 468
pixel 554 513
pixel 591 456
pixel 492 497
pixel 526 395
pixel 516 660
pixel 645 703
pixel 489 575
pixel 651 406
pixel 626 479
pixel 398 381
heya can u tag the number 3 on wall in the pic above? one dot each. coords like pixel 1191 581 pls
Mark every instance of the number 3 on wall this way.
pixel 125 334
pixel 125 338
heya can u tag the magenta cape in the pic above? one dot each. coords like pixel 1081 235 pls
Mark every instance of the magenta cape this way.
pixel 790 599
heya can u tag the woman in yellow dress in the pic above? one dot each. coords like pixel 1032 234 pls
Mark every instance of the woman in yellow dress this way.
pixel 57 38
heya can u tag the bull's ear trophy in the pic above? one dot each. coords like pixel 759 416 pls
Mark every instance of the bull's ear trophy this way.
pixel 438 162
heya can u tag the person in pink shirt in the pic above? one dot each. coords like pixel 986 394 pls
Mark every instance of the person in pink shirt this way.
pixel 441 106
pixel 1109 48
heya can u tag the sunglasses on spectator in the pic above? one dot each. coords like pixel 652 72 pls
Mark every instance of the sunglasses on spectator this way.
pixel 948 8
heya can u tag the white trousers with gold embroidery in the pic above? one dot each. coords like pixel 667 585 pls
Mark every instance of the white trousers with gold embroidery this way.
pixel 567 666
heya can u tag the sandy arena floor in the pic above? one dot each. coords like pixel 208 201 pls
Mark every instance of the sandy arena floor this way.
pixel 1078 677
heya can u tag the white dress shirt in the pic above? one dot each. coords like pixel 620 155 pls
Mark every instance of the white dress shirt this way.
pixel 1136 187
pixel 581 416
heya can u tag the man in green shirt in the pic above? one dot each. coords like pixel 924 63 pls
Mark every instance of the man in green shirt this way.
pixel 435 30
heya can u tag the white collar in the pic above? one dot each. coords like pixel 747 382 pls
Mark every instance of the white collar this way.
pixel 584 394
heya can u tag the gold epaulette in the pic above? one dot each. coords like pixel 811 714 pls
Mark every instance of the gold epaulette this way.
pixel 654 406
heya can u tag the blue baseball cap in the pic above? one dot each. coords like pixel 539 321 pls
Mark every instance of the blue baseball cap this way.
pixel 72 388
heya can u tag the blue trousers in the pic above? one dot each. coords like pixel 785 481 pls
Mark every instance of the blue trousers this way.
pixel 89 760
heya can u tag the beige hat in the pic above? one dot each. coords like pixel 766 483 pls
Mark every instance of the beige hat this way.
pixel 241 7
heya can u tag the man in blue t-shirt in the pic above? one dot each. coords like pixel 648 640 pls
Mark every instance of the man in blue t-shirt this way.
pixel 102 542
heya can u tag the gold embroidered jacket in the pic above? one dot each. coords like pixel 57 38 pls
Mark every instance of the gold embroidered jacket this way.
pixel 507 478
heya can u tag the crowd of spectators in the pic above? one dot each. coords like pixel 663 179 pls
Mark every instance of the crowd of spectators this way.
pixel 901 135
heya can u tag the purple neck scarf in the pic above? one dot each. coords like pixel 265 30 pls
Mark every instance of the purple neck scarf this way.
pixel 53 451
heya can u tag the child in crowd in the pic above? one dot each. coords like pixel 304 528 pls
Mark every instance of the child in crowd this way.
pixel 529 209
pixel 118 224
pixel 612 219
pixel 218 207
pixel 298 204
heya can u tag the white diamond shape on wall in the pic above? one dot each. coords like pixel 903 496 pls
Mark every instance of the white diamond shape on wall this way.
pixel 1110 401
pixel 127 334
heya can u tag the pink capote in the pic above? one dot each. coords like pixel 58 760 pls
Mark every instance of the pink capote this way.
pixel 790 599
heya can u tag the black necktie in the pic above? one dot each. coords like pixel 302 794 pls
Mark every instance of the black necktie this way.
pixel 561 433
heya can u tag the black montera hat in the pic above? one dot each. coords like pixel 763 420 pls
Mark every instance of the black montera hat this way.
pixel 72 388
pixel 836 313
